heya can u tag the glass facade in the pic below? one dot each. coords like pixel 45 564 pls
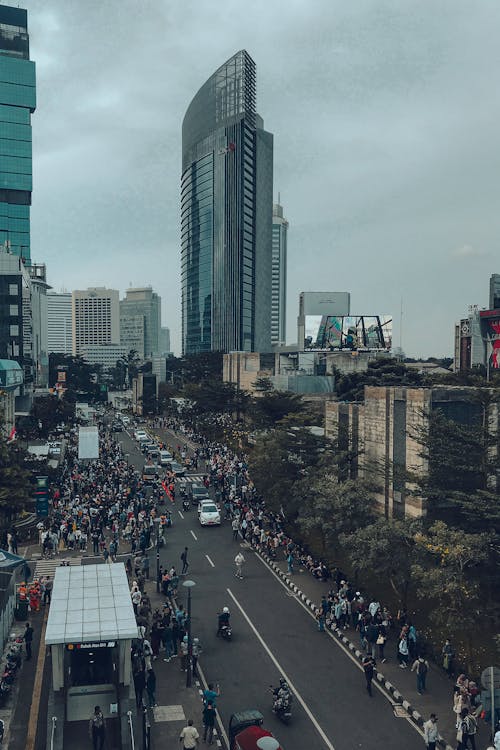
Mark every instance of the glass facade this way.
pixel 17 102
pixel 226 219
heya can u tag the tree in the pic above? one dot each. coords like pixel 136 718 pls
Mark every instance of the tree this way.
pixel 262 385
pixel 334 509
pixel 386 549
pixel 129 366
pixel 272 406
pixel 281 460
pixel 448 576
pixel 16 489
pixel 49 411
pixel 381 372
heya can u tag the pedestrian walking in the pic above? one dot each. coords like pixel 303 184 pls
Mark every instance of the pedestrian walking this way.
pixel 97 728
pixel 151 688
pixel 184 560
pixel 145 566
pixel 235 525
pixel 239 560
pixel 320 619
pixel 139 685
pixel 368 667
pixel 28 640
pixel 196 649
pixel 447 653
pixel 421 667
pixel 403 653
pixel 47 591
pixel 189 736
pixel 431 732
pixel 208 722
pixel 290 560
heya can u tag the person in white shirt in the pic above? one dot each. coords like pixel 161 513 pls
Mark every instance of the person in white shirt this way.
pixel 431 732
pixel 189 736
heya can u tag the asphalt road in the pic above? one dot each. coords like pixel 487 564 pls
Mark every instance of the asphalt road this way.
pixel 273 634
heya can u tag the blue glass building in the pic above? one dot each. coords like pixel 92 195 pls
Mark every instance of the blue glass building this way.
pixel 226 215
pixel 17 102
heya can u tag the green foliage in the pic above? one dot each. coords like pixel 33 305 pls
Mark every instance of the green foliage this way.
pixel 449 575
pixel 267 410
pixel 262 385
pixel 195 368
pixel 385 549
pixel 81 376
pixel 214 396
pixel 16 489
pixel 333 510
pixel 382 372
pixel 49 411
pixel 280 461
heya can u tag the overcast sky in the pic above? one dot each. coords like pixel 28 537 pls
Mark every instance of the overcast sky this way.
pixel 385 116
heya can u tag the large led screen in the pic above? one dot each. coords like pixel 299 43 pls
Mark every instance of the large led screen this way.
pixel 348 332
pixel 490 331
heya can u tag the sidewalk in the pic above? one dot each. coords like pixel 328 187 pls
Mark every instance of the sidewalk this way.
pixel 438 697
pixel 176 702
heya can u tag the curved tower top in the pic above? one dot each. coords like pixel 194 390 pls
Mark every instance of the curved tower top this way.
pixel 227 97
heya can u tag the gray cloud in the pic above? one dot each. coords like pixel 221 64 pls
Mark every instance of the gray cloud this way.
pixel 385 115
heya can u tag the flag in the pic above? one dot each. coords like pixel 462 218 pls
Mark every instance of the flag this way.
pixel 12 435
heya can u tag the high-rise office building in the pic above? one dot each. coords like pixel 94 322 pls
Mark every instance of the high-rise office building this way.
pixel 495 291
pixel 95 317
pixel 165 340
pixel 226 215
pixel 59 326
pixel 145 303
pixel 278 279
pixel 17 102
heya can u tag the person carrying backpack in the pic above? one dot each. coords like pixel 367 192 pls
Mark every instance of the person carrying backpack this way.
pixel 97 728
pixel 421 667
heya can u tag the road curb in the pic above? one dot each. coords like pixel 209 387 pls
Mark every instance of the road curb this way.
pixel 391 690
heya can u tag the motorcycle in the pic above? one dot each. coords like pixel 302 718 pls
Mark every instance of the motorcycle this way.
pixel 226 632
pixel 185 504
pixel 282 702
pixel 4 692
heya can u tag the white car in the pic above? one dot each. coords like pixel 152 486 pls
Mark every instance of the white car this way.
pixel 140 435
pixel 208 513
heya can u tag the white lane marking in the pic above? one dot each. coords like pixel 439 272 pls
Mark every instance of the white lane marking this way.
pixel 194 535
pixel 180 514
pixel 337 643
pixel 209 560
pixel 217 716
pixel 282 672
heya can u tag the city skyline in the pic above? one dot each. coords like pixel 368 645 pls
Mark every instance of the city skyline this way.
pixel 387 171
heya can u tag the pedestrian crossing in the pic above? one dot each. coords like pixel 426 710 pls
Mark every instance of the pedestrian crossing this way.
pixel 190 478
pixel 47 567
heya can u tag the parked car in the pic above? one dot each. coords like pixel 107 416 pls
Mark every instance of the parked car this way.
pixel 208 513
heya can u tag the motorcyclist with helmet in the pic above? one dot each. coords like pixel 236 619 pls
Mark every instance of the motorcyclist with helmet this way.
pixel 223 619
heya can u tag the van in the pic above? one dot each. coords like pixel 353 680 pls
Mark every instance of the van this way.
pixel 196 492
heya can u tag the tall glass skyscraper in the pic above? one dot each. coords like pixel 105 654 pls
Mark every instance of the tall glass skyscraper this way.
pixel 226 215
pixel 17 102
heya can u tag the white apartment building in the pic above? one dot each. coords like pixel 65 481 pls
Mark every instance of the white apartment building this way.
pixel 59 326
pixel 95 318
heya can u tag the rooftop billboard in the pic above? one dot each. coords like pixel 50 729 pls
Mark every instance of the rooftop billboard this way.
pixel 352 332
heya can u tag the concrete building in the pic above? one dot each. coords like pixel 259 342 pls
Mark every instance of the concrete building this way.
pixel 105 355
pixel 226 215
pixel 17 103
pixel 16 329
pixel 39 287
pixel 95 317
pixel 59 323
pixel 145 303
pixel 132 332
pixel 382 432
pixel 11 380
pixel 278 276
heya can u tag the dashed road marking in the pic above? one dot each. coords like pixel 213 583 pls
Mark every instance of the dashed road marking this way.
pixel 194 535
pixel 210 561
pixel 180 514
pixel 278 666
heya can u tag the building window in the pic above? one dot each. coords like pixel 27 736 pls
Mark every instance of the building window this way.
pixel 14 330
pixel 13 290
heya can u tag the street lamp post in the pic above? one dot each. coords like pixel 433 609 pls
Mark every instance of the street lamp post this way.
pixel 157 521
pixel 189 672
